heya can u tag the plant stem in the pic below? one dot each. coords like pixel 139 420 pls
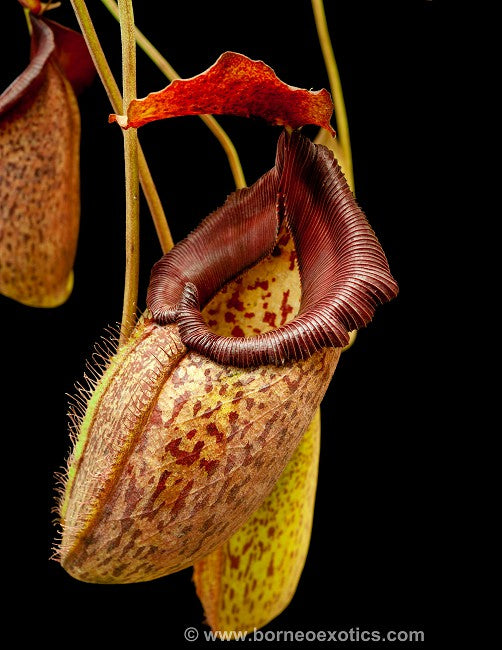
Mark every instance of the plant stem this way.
pixel 28 21
pixel 342 124
pixel 131 173
pixel 164 66
pixel 115 97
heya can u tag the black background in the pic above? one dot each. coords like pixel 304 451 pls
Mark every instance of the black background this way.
pixel 368 562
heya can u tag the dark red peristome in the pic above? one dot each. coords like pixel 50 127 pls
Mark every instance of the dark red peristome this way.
pixel 234 85
pixel 72 56
pixel 226 243
pixel 343 269
pixel 42 47
pixel 63 46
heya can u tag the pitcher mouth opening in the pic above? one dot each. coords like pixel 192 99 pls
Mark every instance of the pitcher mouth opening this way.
pixel 343 270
